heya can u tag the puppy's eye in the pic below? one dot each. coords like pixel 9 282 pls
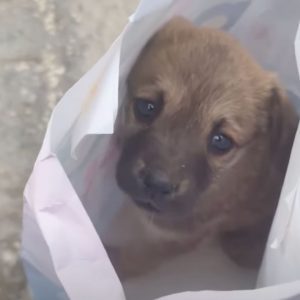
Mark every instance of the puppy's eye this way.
pixel 220 143
pixel 146 110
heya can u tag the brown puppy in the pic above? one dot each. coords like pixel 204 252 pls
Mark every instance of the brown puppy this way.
pixel 206 136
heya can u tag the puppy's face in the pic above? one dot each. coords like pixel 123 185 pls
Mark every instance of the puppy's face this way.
pixel 196 129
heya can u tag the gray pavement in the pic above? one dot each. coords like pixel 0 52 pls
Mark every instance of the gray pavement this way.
pixel 45 46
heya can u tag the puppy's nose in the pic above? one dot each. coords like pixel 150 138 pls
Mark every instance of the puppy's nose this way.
pixel 157 183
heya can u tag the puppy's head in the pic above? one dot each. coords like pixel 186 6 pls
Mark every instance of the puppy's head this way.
pixel 200 126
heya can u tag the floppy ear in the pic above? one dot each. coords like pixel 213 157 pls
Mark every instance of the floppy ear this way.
pixel 283 123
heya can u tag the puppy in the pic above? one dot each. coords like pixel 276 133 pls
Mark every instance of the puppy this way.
pixel 205 136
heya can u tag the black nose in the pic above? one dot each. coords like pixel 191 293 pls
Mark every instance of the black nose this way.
pixel 157 183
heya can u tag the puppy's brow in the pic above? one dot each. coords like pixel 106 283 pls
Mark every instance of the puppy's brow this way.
pixel 218 124
pixel 228 127
pixel 149 93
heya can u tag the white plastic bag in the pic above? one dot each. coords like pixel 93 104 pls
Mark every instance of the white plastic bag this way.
pixel 71 196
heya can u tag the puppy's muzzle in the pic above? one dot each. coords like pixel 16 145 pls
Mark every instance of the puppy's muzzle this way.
pixel 157 183
pixel 157 187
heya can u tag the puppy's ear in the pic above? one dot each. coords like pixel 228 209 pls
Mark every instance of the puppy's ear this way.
pixel 283 123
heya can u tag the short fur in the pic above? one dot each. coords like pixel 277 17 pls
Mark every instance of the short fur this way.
pixel 206 81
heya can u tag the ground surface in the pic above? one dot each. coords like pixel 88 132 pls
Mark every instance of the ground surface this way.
pixel 45 46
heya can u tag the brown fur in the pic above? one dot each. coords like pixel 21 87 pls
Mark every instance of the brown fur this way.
pixel 205 81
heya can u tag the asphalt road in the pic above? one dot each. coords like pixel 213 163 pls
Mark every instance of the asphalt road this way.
pixel 45 46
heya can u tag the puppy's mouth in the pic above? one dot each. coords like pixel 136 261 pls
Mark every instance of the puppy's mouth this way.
pixel 148 206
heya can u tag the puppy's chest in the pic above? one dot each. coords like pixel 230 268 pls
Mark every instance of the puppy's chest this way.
pixel 189 234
